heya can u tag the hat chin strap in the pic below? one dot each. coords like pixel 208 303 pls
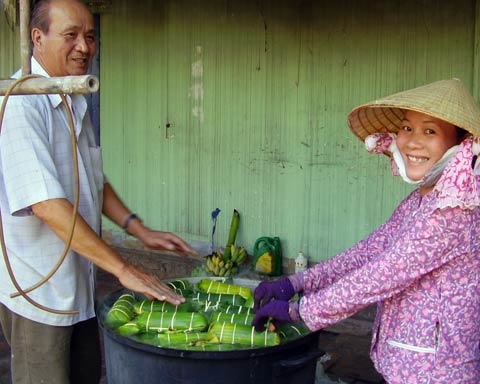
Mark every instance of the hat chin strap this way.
pixel 398 159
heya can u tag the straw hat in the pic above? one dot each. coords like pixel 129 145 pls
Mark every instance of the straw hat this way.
pixel 447 100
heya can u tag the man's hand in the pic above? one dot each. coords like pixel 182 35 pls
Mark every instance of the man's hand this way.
pixel 115 210
pixel 149 285
pixel 167 241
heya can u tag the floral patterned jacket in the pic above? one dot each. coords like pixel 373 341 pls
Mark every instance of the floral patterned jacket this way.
pixel 422 267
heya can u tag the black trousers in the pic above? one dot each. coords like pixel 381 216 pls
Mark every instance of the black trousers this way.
pixel 42 353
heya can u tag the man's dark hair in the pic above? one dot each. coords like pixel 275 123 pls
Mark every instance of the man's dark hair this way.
pixel 40 17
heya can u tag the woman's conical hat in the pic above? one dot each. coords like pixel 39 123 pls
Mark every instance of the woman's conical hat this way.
pixel 448 100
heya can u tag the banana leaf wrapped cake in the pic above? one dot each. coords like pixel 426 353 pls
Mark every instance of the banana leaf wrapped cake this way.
pixel 216 316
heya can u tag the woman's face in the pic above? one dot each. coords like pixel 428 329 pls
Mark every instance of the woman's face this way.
pixel 422 141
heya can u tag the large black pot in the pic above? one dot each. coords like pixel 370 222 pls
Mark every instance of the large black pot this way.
pixel 129 362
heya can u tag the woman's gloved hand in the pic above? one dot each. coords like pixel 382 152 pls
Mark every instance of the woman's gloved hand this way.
pixel 275 290
pixel 277 310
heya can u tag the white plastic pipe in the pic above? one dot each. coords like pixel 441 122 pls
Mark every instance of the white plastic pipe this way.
pixel 46 85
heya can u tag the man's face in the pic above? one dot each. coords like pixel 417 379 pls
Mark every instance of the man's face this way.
pixel 67 49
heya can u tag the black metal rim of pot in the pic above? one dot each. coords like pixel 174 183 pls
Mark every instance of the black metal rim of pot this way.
pixel 241 353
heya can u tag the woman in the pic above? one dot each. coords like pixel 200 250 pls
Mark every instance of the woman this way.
pixel 422 266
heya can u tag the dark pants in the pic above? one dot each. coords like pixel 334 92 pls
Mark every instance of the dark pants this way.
pixel 49 354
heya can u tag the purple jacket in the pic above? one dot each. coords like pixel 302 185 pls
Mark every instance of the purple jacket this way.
pixel 423 268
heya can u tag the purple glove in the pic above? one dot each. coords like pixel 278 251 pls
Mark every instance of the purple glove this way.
pixel 267 291
pixel 277 310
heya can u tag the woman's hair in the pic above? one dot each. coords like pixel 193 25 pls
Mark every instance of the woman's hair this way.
pixel 461 134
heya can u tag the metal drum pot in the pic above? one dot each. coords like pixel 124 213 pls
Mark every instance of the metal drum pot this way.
pixel 130 362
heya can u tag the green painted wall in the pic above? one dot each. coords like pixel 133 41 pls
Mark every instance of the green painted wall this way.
pixel 9 45
pixel 243 104
pixel 256 94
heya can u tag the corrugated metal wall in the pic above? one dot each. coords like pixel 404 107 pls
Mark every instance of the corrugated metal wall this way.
pixel 255 94
pixel 243 104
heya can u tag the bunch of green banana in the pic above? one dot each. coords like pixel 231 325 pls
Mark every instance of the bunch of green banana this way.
pixel 237 254
pixel 226 264
pixel 218 266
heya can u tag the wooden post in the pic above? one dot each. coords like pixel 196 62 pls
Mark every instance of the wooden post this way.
pixel 25 36
pixel 476 54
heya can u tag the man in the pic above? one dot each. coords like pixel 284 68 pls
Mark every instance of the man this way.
pixel 36 195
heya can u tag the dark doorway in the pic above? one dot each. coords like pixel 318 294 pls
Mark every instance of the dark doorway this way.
pixel 93 99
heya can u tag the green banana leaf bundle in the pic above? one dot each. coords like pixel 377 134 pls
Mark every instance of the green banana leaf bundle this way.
pixel 210 301
pixel 228 333
pixel 234 318
pixel 160 306
pixel 121 311
pixel 216 286
pixel 172 321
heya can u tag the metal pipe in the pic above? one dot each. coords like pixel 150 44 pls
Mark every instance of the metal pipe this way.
pixel 25 36
pixel 44 85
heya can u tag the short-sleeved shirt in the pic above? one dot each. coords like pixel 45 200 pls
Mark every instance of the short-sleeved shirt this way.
pixel 37 164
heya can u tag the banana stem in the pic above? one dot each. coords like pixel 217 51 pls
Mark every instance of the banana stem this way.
pixel 232 235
